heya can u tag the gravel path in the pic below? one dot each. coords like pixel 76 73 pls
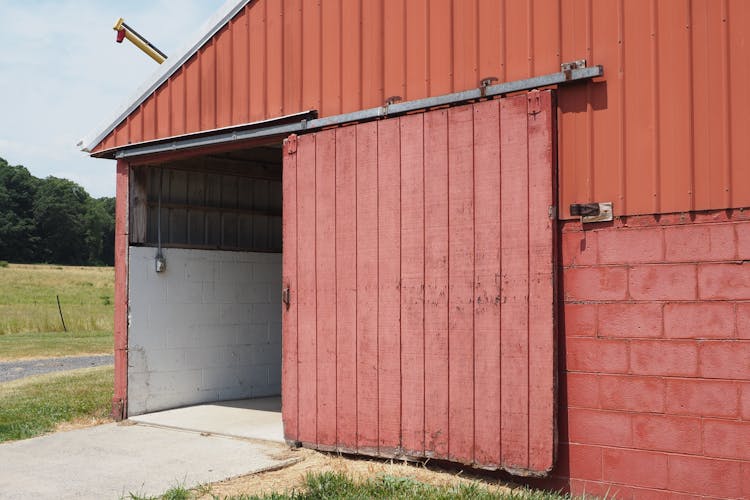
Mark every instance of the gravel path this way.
pixel 13 370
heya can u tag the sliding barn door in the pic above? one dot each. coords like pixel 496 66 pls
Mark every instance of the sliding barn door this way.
pixel 419 263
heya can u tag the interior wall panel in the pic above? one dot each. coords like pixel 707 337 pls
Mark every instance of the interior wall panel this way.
pixel 663 131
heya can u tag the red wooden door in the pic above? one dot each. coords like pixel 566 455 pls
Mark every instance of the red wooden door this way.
pixel 419 254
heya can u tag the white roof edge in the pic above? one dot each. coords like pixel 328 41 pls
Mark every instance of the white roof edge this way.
pixel 222 16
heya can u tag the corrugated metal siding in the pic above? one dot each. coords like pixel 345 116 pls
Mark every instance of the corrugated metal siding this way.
pixel 419 253
pixel 665 132
pixel 211 210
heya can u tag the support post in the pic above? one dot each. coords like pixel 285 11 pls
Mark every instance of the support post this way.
pixel 120 396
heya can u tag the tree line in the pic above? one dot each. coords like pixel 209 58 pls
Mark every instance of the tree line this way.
pixel 53 220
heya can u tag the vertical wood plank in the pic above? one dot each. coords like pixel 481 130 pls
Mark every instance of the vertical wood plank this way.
pixel 514 319
pixel 289 387
pixel 367 288
pixel 541 332
pixel 138 208
pixel 461 283
pixel 487 282
pixel 436 283
pixel 346 288
pixel 389 293
pixel 325 251
pixel 412 284
pixel 306 282
pixel 120 394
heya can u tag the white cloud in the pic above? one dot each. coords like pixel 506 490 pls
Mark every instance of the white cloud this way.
pixel 62 74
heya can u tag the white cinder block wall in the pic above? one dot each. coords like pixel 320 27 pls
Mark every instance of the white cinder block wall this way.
pixel 207 329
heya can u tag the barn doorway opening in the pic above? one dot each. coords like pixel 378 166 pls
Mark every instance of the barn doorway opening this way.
pixel 204 284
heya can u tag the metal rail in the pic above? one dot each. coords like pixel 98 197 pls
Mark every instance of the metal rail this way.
pixel 271 128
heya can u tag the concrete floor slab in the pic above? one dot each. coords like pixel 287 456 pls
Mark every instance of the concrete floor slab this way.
pixel 111 461
pixel 258 418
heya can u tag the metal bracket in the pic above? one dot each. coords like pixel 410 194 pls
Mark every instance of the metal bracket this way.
pixel 291 144
pixel 285 298
pixel 486 82
pixel 389 102
pixel 552 212
pixel 593 212
pixel 568 67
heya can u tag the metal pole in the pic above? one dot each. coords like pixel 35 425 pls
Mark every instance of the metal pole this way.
pixel 61 314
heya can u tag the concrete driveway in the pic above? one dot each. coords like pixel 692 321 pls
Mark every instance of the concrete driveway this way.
pixel 113 460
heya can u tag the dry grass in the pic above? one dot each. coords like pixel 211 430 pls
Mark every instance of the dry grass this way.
pixel 358 469
pixel 28 298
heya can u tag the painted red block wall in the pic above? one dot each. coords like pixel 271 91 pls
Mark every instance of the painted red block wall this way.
pixel 655 357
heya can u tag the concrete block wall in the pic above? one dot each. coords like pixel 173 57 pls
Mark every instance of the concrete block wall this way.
pixel 207 329
pixel 655 357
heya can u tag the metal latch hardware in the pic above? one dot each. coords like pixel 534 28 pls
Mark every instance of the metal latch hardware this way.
pixel 285 297
pixel 568 67
pixel 592 212
pixel 291 144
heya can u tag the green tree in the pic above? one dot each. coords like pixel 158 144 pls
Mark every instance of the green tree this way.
pixel 53 220
pixel 60 213
pixel 18 237
pixel 100 230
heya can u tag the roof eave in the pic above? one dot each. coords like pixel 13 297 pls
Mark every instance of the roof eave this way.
pixel 212 26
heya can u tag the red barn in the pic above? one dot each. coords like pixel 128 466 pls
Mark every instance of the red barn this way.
pixel 510 234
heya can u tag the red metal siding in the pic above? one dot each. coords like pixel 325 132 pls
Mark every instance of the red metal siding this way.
pixel 419 254
pixel 663 133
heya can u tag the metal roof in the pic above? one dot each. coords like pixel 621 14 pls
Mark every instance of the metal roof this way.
pixel 222 16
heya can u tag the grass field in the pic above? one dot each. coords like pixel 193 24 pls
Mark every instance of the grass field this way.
pixel 28 298
pixel 30 324
pixel 35 405
pixel 14 346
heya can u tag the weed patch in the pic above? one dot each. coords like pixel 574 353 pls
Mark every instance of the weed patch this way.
pixel 339 485
pixel 35 405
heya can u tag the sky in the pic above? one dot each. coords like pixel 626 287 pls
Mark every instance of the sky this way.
pixel 62 76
